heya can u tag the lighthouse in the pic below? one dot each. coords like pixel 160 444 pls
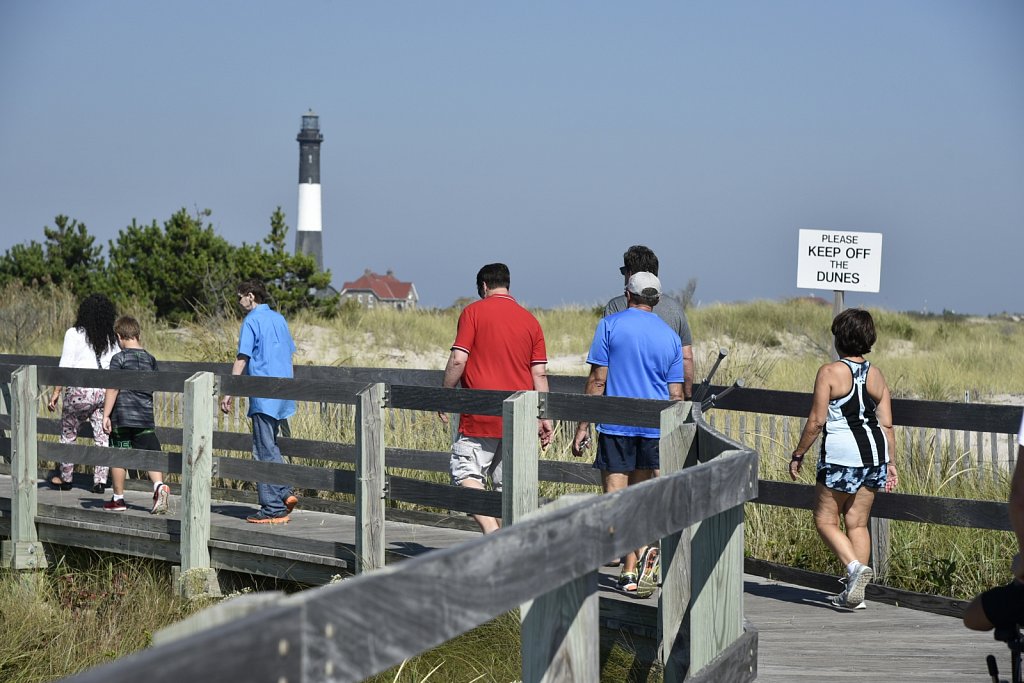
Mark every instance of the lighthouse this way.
pixel 309 230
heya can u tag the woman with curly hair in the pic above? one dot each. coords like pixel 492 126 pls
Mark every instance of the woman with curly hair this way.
pixel 89 344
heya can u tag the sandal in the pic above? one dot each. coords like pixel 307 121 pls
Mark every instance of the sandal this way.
pixel 58 483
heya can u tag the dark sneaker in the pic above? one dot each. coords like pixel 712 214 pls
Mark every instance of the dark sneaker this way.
pixel 99 487
pixel 290 502
pixel 627 583
pixel 58 483
pixel 160 496
pixel 856 583
pixel 650 572
pixel 260 518
pixel 115 505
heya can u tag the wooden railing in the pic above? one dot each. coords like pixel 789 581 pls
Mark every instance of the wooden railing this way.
pixel 362 626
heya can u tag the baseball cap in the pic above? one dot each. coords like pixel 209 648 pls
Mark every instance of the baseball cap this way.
pixel 639 282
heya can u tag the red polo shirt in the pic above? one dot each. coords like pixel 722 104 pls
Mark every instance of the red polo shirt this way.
pixel 504 341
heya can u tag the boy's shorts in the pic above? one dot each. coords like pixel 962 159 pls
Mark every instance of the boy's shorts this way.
pixel 625 454
pixel 850 479
pixel 475 457
pixel 141 438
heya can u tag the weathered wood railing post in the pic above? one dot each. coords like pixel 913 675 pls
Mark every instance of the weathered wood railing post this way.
pixel 23 551
pixel 196 578
pixel 880 543
pixel 370 477
pixel 560 629
pixel 520 446
pixel 677 440
pixel 716 585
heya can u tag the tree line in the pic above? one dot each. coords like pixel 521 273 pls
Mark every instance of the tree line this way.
pixel 180 270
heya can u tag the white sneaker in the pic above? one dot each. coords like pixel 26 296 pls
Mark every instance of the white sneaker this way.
pixel 856 582
pixel 160 500
pixel 841 601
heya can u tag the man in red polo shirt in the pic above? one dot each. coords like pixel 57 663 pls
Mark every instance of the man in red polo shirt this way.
pixel 499 345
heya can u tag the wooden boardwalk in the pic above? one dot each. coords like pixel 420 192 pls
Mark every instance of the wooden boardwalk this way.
pixel 801 637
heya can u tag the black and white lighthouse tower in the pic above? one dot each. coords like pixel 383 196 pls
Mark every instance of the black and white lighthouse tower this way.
pixel 309 229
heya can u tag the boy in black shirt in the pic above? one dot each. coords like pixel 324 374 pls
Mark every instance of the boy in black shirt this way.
pixel 128 415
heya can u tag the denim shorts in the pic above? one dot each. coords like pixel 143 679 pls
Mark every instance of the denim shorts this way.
pixel 849 479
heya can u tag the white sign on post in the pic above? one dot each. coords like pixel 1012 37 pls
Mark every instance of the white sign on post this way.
pixel 843 261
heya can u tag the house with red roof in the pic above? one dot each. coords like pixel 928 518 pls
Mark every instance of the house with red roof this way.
pixel 372 290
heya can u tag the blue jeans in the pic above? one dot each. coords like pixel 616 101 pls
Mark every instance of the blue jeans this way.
pixel 264 449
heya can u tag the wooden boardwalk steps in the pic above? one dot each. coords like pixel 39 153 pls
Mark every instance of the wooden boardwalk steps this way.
pixel 801 637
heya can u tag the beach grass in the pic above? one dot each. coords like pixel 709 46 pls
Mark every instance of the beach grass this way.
pixel 91 608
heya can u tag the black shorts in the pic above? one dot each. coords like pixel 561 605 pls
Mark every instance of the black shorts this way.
pixel 142 438
pixel 624 454
pixel 1004 605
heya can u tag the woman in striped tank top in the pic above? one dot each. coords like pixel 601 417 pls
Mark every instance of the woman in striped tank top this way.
pixel 851 405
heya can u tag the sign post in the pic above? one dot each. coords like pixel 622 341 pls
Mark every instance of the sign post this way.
pixel 842 261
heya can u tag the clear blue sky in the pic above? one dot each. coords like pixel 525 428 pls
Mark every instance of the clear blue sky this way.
pixel 550 136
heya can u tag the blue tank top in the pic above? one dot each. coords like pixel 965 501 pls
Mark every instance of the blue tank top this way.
pixel 852 437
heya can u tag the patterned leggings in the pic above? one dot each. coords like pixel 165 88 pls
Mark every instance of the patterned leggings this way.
pixel 81 405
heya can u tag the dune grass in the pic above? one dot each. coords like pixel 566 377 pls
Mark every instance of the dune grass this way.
pixel 66 623
pixel 84 610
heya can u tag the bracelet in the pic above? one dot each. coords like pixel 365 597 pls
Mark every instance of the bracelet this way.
pixel 796 458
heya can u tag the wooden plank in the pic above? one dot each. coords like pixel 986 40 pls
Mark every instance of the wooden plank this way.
pixel 439 399
pixel 560 628
pixel 716 607
pixel 569 472
pixel 75 377
pixel 907 412
pixel 978 514
pixel 520 446
pixel 299 476
pixel 1010 438
pixel 129 458
pixel 197 465
pixel 23 550
pixel 322 391
pixel 881 539
pixel 611 409
pixel 710 442
pixel 996 467
pixel 678 450
pixel 967 452
pixel 104 541
pixel 559 471
pixel 736 664
pixel 444 496
pixel 370 489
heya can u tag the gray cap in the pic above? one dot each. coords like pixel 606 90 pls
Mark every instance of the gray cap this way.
pixel 639 283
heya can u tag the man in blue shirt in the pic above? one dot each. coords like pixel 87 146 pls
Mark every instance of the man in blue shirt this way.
pixel 265 349
pixel 634 354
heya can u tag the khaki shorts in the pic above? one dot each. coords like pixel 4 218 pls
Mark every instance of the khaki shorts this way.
pixel 475 457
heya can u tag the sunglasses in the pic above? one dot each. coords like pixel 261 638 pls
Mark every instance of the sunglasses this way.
pixel 622 270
